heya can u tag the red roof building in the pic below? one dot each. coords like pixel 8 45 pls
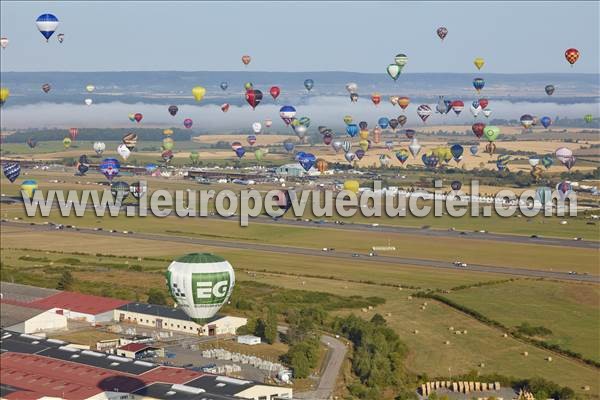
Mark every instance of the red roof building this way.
pixel 78 305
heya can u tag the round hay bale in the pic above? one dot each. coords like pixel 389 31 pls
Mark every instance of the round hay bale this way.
pixel 549 359
pixel 481 365
pixel 465 332
pixel 410 297
pixel 525 353
pixel 447 342
pixel 586 388
pixel 451 328
pixel 505 335
pixel 416 331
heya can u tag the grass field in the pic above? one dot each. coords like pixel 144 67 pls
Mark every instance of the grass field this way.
pixel 557 306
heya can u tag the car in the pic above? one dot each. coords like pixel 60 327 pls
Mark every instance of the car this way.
pixel 534 236
pixel 577 238
pixel 482 231
pixel 372 254
pixel 463 233
pixel 112 231
pixel 374 225
pixel 97 229
pixel 325 249
pixel 125 232
pixel 355 255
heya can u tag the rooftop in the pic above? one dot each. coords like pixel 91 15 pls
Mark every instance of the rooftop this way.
pixel 161 311
pixel 12 314
pixel 24 293
pixel 78 302
pixel 135 347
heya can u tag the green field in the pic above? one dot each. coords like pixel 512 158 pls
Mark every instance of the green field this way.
pixel 557 306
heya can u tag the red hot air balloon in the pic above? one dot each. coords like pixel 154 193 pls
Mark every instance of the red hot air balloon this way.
pixel 253 97
pixel 478 128
pixel 73 132
pixel 483 103
pixel 246 59
pixel 442 32
pixel 225 107
pixel 457 106
pixel 376 98
pixel 138 117
pixel 572 55
pixel 274 92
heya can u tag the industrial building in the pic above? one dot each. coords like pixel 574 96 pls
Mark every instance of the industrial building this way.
pixel 250 340
pixel 293 170
pixel 139 350
pixel 24 319
pixel 34 367
pixel 174 319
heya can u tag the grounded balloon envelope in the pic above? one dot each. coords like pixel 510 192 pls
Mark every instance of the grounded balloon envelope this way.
pixel 47 24
pixel 200 284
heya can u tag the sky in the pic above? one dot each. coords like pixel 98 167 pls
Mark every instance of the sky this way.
pixel 512 37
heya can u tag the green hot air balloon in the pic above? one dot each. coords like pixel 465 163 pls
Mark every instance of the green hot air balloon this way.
pixel 259 154
pixel 588 118
pixel 194 157
pixel 491 133
pixel 401 60
pixel 200 284
pixel 168 143
pixel 248 86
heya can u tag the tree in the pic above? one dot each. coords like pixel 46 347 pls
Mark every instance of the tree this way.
pixel 156 296
pixel 66 281
pixel 270 333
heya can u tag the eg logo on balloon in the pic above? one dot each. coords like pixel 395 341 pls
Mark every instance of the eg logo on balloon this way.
pixel 210 288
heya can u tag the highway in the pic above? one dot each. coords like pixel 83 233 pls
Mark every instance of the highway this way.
pixel 349 256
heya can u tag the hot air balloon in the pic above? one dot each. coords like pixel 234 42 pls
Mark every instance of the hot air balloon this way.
pixel 483 103
pixel 90 88
pixel 200 284
pixel 547 161
pixel 67 142
pixel 304 121
pixel 564 188
pixel 363 125
pixel 363 144
pixel 352 87
pixel 224 85
pixel 346 146
pixel 60 37
pixel 299 130
pixel 393 123
pixel 549 89
pixel 194 157
pixel 73 133
pixel 545 121
pixel 47 24
pixel 394 70
pixel 321 165
pixel 394 100
pixel 120 190
pixel 353 97
pixel 352 186
pixel 235 145
pixel 83 165
pixel 479 62
pixel 389 144
pixel 253 97
pixel 246 59
pixel 29 186
pixel 11 170
pixel 402 155
pixel 110 168
pixel 88 102
pixel 457 152
pixel 526 121
pixel 376 98
pixel 167 132
pixel 130 140
pixel 268 122
pixel 240 152
pixel 349 156
pixel 588 118
pixel 337 145
pixel 400 60
pixel 123 151
pixel 259 154
pixel 168 144
pixel 248 86
pixel 377 135
pixel 424 111
pixel 198 92
pixel 131 117
pixel 167 156
pixel 402 120
pixel 441 106
pixel 31 142
pixel 307 161
pixel 188 123
pixel 352 130
pixel 384 160
pixel 478 84
pixel 563 154
pixel 137 189
pixel 46 87
pixel 257 127
pixel 274 91
pixel 383 122
pixel 327 139
pixel 173 110
pixel 287 113
pixel 475 108
pixel 225 107
pixel 410 133
pixel 4 94
pixel 414 147
pixel 491 133
pixel 99 147
pixel 456 185
pixel 534 161
pixel 251 139
pixel 457 106
pixel 572 55
pixel 4 42
pixel 288 145
pixel 474 149
pixel 442 32
pixel 308 84
pixel 487 112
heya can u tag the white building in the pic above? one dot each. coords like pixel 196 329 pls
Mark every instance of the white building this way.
pixel 248 339
pixel 174 319
pixel 30 320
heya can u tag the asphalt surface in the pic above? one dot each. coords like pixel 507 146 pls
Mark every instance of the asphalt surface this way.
pixel 404 261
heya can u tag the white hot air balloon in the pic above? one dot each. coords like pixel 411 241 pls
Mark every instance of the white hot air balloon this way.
pixel 123 151
pixel 99 147
pixel 268 123
pixel 200 283
pixel 257 127
pixel 88 102
pixel 4 42
pixel 352 87
pixel 300 131
pixel 487 112
pixel 414 147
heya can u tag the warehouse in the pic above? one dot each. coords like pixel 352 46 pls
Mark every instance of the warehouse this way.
pixel 24 319
pixel 139 350
pixel 83 307
pixel 174 319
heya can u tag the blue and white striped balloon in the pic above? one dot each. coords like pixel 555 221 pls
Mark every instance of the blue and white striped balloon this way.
pixel 11 170
pixel 47 24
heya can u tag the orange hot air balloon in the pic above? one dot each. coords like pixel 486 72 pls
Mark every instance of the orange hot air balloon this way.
pixel 403 102
pixel 322 165
pixel 377 135
pixel 572 55
pixel 246 60
pixel 376 98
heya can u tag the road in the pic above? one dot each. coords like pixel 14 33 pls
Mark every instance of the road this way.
pixel 392 260
pixel 333 364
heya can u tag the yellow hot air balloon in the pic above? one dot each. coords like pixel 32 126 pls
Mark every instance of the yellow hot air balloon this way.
pixel 168 132
pixel 29 187
pixel 352 186
pixel 198 93
pixel 479 62
pixel 67 142
pixel 90 88
pixel 364 145
pixel 364 134
pixel 4 93
pixel 348 119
